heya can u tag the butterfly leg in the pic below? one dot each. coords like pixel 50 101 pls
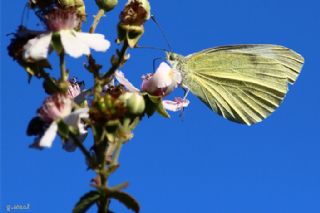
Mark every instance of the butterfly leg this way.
pixel 186 92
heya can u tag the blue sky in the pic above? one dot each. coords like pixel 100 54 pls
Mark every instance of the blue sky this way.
pixel 197 163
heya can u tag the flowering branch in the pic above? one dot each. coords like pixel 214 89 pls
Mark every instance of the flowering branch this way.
pixel 110 111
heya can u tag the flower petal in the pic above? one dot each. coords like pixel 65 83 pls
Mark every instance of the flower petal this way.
pixel 74 119
pixel 38 47
pixel 48 137
pixel 125 82
pixel 95 41
pixel 163 76
pixel 176 105
pixel 73 45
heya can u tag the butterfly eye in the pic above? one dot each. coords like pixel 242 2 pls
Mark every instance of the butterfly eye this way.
pixel 172 57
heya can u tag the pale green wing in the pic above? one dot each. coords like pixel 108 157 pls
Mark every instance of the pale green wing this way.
pixel 243 83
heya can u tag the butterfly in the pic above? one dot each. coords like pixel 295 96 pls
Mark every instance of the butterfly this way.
pixel 242 83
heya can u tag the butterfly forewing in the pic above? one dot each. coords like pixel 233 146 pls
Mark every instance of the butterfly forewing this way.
pixel 243 83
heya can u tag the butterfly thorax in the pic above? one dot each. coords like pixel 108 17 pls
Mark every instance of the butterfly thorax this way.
pixel 176 61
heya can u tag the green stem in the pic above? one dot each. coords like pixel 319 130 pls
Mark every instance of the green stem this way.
pixel 96 20
pixel 121 59
pixel 115 158
pixel 82 148
pixel 63 72
pixel 46 77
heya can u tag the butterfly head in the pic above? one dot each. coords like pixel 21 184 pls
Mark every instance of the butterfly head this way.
pixel 174 59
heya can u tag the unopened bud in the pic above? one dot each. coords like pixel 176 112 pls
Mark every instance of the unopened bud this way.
pixel 107 5
pixel 134 102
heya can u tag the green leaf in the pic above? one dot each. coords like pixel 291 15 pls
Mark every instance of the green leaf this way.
pixel 126 199
pixel 151 104
pixel 86 201
pixel 161 110
pixel 154 103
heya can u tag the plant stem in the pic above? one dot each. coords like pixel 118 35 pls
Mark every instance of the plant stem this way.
pixel 116 155
pixel 82 148
pixel 121 60
pixel 96 20
pixel 63 72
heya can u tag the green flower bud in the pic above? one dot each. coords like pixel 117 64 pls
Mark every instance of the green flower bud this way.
pixel 133 102
pixel 107 5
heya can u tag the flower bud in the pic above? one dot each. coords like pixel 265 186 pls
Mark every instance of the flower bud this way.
pixel 107 5
pixel 132 18
pixel 133 102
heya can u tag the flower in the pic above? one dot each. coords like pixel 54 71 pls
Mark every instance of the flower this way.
pixel 62 23
pixel 162 82
pixel 55 109
pixel 16 51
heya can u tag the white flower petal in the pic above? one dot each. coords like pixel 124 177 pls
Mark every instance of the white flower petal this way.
pixel 73 45
pixel 49 135
pixel 163 77
pixel 176 105
pixel 125 82
pixel 83 96
pixel 95 41
pixel 74 119
pixel 38 47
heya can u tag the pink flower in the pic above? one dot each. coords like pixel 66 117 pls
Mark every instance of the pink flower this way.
pixel 162 82
pixel 55 107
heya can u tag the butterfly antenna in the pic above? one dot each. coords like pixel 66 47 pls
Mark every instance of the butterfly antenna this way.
pixel 150 47
pixel 153 18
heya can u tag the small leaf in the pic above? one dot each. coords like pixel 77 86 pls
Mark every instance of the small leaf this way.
pixel 126 199
pixel 154 99
pixel 86 201
pixel 161 110
pixel 154 103
pixel 151 107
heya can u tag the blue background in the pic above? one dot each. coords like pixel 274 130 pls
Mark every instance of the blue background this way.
pixel 197 163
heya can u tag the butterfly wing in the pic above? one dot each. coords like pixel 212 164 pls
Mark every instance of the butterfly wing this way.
pixel 243 83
